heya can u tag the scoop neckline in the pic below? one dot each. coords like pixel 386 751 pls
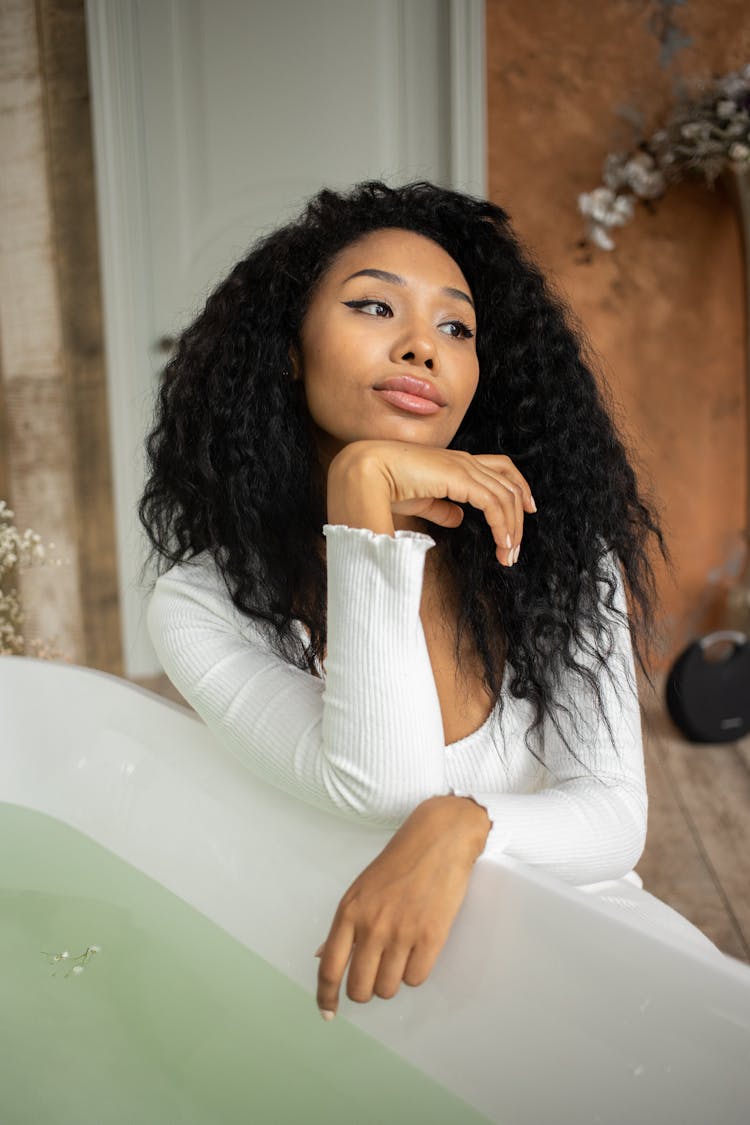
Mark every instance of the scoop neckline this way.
pixel 474 734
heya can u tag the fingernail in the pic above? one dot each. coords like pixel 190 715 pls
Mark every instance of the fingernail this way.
pixel 508 542
pixel 327 1015
pixel 533 503
pixel 516 553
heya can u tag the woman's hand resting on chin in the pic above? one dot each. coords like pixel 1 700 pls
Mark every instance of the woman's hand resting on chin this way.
pixel 372 479
pixel 396 916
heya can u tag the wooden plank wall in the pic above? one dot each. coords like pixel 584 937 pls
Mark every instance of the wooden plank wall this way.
pixel 55 467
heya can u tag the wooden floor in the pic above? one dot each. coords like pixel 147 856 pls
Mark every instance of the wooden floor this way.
pixel 697 854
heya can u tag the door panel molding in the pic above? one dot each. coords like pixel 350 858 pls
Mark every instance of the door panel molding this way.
pixel 122 211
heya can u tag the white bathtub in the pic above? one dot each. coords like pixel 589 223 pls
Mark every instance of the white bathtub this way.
pixel 547 1004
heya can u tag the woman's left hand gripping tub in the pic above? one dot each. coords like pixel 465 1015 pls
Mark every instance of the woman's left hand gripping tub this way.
pixel 396 916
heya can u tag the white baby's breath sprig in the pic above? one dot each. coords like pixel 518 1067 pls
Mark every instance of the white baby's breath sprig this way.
pixel 21 550
pixel 708 132
pixel 18 548
pixel 78 963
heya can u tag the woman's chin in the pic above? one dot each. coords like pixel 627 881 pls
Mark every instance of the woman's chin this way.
pixel 413 428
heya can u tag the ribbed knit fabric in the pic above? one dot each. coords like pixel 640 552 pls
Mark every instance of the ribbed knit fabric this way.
pixel 367 741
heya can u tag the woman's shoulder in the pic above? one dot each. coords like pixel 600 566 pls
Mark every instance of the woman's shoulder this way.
pixel 199 577
pixel 195 590
pixel 201 570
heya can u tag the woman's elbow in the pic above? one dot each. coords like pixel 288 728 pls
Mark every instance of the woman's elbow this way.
pixel 634 822
pixel 370 803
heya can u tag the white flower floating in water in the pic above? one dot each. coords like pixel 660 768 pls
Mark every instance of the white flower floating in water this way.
pixel 77 969
pixel 708 133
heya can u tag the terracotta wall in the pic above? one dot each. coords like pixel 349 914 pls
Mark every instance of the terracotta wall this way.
pixel 665 310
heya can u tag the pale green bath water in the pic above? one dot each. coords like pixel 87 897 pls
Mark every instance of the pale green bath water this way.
pixel 173 1021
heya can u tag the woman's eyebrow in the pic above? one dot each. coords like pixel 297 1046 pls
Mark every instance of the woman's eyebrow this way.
pixel 383 275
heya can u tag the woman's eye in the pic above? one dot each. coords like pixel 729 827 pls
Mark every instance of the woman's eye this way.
pixel 366 304
pixel 463 330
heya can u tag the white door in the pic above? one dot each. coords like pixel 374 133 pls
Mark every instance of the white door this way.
pixel 215 120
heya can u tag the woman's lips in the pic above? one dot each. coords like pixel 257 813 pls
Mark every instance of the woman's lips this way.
pixel 414 404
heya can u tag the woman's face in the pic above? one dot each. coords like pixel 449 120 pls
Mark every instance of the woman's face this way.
pixel 392 304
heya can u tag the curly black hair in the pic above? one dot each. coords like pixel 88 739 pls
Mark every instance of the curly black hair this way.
pixel 234 469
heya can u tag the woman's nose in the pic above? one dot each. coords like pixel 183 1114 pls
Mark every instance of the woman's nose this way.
pixel 418 348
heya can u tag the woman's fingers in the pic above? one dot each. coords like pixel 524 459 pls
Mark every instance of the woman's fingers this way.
pixel 420 964
pixel 374 971
pixel 370 963
pixel 498 462
pixel 442 512
pixel 517 494
pixel 501 502
pixel 335 956
pixel 392 970
pixel 503 475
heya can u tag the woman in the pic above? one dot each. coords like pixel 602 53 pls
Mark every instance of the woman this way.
pixel 363 599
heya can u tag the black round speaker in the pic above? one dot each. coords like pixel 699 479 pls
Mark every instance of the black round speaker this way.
pixel 708 698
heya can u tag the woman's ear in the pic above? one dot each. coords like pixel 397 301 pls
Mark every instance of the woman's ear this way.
pixel 295 363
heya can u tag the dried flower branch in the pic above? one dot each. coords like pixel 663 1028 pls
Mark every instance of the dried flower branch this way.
pixel 708 132
pixel 21 550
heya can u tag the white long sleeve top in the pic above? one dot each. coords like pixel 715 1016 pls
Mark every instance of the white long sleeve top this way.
pixel 367 740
